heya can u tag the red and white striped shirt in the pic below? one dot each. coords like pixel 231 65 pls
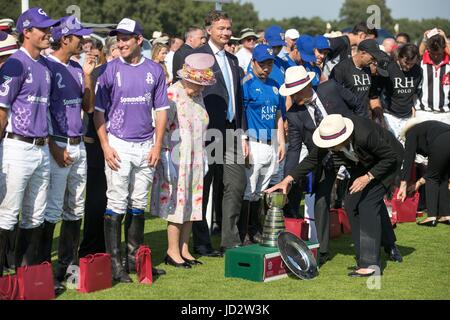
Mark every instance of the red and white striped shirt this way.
pixel 435 92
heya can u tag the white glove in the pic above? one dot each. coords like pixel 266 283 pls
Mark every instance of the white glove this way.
pixel 170 172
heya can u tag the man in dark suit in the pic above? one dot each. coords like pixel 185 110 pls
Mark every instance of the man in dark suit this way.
pixel 194 38
pixel 223 103
pixel 303 118
pixel 373 156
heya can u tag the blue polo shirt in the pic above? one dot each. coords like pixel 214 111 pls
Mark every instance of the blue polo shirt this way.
pixel 316 81
pixel 261 104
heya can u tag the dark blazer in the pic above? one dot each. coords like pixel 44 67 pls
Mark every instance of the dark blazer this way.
pixel 216 96
pixel 335 99
pixel 377 149
pixel 419 139
pixel 178 59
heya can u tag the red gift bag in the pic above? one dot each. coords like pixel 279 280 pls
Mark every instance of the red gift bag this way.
pixel 298 227
pixel 144 265
pixel 407 210
pixel 343 220
pixel 335 225
pixel 9 288
pixel 95 273
pixel 36 282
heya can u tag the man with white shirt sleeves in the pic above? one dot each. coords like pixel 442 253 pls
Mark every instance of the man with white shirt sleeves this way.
pixel 128 89
pixel 72 92
pixel 373 156
pixel 223 102
pixel 247 40
pixel 24 99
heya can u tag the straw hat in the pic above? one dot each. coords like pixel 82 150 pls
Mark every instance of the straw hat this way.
pixel 296 79
pixel 332 131
pixel 197 69
pixel 8 44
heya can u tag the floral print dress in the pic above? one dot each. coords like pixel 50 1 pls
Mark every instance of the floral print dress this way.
pixel 177 191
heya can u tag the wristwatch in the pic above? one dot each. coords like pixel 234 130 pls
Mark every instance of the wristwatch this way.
pixel 370 176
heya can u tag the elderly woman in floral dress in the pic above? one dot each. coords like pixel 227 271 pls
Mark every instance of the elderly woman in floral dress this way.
pixel 178 183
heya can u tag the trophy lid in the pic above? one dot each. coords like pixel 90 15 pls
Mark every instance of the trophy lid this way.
pixel 297 256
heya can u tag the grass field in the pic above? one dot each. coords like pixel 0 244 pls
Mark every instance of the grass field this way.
pixel 424 274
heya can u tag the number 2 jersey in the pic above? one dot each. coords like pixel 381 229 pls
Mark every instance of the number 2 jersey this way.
pixel 127 93
pixel 66 98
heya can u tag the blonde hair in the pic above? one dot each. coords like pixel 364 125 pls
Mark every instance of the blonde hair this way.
pixel 157 49
pixel 155 52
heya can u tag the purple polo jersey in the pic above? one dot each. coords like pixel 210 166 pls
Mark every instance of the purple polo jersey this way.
pixel 127 94
pixel 66 98
pixel 25 92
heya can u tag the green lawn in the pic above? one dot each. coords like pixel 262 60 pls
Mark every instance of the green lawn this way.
pixel 424 274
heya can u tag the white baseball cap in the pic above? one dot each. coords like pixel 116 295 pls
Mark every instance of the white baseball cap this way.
pixel 292 34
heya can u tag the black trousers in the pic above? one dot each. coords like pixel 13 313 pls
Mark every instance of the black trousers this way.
pixel 436 177
pixel 95 205
pixel 366 210
pixel 322 208
pixel 234 183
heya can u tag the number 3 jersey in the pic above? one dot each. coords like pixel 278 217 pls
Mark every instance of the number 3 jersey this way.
pixel 127 94
pixel 24 91
pixel 66 98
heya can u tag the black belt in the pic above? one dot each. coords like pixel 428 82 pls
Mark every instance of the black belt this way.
pixel 36 141
pixel 70 140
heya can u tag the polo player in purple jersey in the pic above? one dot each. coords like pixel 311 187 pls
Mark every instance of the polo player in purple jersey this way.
pixel 127 91
pixel 72 92
pixel 24 153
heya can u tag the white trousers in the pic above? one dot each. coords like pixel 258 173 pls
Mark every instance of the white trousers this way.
pixel 129 186
pixel 263 161
pixel 24 181
pixel 278 176
pixel 438 116
pixel 67 186
pixel 395 125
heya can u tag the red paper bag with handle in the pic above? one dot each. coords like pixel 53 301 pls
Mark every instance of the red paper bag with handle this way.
pixel 144 265
pixel 36 282
pixel 95 273
pixel 9 288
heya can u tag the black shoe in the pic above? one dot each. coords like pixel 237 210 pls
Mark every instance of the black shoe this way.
pixel 158 272
pixel 122 276
pixel 431 223
pixel 394 254
pixel 257 238
pixel 207 252
pixel 355 274
pixel 170 261
pixel 192 262
pixel 447 222
pixel 323 258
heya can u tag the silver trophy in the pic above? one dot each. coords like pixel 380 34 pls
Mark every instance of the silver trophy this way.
pixel 274 218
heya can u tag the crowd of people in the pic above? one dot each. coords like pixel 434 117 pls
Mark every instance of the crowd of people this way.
pixel 88 129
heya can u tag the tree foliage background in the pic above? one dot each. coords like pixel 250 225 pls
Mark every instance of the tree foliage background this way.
pixel 174 16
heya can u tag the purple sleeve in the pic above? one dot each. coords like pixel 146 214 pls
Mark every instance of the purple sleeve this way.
pixel 102 92
pixel 161 100
pixel 11 79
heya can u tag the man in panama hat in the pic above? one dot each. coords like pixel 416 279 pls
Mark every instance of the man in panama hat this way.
pixel 373 157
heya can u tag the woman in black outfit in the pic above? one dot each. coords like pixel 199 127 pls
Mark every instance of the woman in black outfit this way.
pixel 430 139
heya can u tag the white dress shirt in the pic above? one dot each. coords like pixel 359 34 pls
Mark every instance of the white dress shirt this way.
pixel 312 108
pixel 219 60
